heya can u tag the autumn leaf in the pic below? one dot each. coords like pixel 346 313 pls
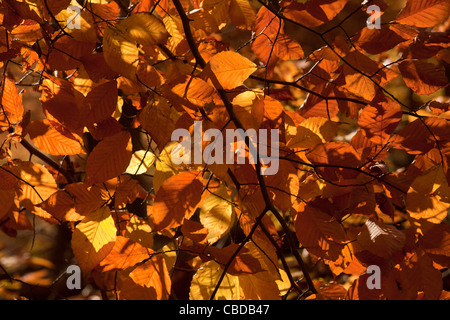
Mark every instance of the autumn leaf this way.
pixel 94 238
pixel 11 101
pixel 140 162
pixel 153 274
pixel 188 92
pixel 416 273
pixel 53 138
pixel 100 103
pixel 313 14
pixel 334 160
pixel 206 279
pixel 125 253
pixel 423 14
pixel 379 120
pixel 230 69
pixel 318 233
pixel 428 196
pixel 176 200
pixel 61 206
pixel 101 165
pixel 216 214
pixel 380 239
pixel 119 43
pixel 423 77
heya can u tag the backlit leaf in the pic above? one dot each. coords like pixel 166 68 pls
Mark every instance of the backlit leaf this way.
pixel 423 77
pixel 125 253
pixel 423 13
pixel 231 69
pixel 46 136
pixel 109 158
pixel 206 279
pixel 94 238
pixel 176 200
pixel 154 274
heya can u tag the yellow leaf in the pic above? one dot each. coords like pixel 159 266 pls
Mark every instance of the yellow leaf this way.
pixel 145 29
pixel 312 131
pixel 138 230
pixel 219 10
pixel 94 238
pixel 231 69
pixel 165 168
pixel 175 28
pixel 254 288
pixel 216 214
pixel 121 54
pixel 140 162
pixel 206 279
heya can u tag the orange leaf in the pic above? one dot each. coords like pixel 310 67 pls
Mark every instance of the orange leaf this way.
pixel 148 75
pixel 100 103
pixel 376 41
pixel 230 69
pixel 176 200
pixel 243 263
pixel 416 274
pixel 53 138
pixel 269 30
pixel 11 101
pixel 314 13
pixel 109 158
pixel 319 233
pixel 154 274
pixel 379 120
pixel 61 206
pixel 62 101
pixel 424 13
pixel 380 239
pixel 188 92
pixel 158 119
pixel 333 160
pixel 87 198
pixel 125 253
pixel 423 77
